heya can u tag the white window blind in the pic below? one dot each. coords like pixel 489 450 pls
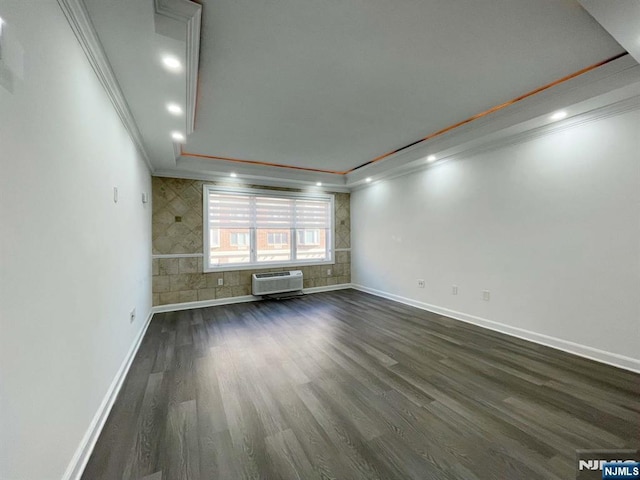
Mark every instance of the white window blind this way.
pixel 263 216
pixel 312 214
pixel 274 212
pixel 230 211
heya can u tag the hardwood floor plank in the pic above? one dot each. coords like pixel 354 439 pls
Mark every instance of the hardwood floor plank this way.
pixel 211 414
pixel 180 459
pixel 218 458
pixel 347 441
pixel 345 385
pixel 111 451
pixel 289 458
pixel 164 357
pixel 143 456
pixel 403 462
pixel 153 476
pixel 320 450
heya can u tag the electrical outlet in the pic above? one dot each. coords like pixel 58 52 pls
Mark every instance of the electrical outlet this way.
pixel 420 283
pixel 328 272
pixel 132 315
pixel 454 290
pixel 220 282
pixel 486 295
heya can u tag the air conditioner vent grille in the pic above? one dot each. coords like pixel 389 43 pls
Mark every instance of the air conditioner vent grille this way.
pixel 273 274
pixel 276 282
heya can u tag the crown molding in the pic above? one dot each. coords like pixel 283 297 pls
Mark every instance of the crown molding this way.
pixel 513 135
pixel 600 113
pixel 243 180
pixel 189 13
pixel 85 32
pixel 495 143
pixel 615 76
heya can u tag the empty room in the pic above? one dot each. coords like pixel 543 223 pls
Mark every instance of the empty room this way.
pixel 319 240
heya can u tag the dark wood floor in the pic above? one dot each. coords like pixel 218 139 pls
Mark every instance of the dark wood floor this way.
pixel 347 385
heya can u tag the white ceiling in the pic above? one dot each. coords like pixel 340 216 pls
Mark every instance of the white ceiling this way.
pixel 127 33
pixel 332 85
pixel 621 19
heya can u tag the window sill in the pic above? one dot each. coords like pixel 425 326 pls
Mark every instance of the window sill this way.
pixel 264 266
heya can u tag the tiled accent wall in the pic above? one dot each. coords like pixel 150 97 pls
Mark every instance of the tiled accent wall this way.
pixel 177 229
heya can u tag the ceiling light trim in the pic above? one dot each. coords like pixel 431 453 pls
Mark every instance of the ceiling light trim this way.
pixel 256 162
pixel 83 29
pixel 190 13
pixel 247 179
pixel 433 135
pixel 493 109
pixel 608 110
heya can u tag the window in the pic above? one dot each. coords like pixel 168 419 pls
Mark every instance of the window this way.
pixel 238 239
pixel 214 237
pixel 277 238
pixel 246 227
pixel 308 237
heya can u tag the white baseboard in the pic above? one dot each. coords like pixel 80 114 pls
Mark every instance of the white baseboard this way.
pixel 81 457
pixel 620 361
pixel 175 307
pixel 327 288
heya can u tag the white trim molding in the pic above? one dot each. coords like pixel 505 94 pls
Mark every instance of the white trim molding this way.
pixel 512 136
pixel 83 452
pixel 175 307
pixel 189 13
pixel 609 358
pixel 251 175
pixel 600 93
pixel 83 28
pixel 177 255
pixel 328 288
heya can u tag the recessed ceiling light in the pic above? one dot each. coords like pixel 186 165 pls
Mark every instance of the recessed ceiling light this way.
pixel 174 108
pixel 559 115
pixel 368 179
pixel 177 136
pixel 318 184
pixel 171 63
pixel 431 158
pixel 234 174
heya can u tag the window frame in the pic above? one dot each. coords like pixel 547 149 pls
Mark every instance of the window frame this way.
pixel 217 239
pixel 206 188
pixel 245 236
pixel 281 235
pixel 316 240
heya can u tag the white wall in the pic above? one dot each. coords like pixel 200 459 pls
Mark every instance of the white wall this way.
pixel 550 226
pixel 73 263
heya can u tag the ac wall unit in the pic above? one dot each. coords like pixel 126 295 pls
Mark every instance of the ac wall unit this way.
pixel 276 282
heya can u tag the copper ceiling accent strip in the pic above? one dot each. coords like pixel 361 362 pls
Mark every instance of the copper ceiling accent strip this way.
pixel 493 109
pixel 255 162
pixel 195 108
pixel 424 139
